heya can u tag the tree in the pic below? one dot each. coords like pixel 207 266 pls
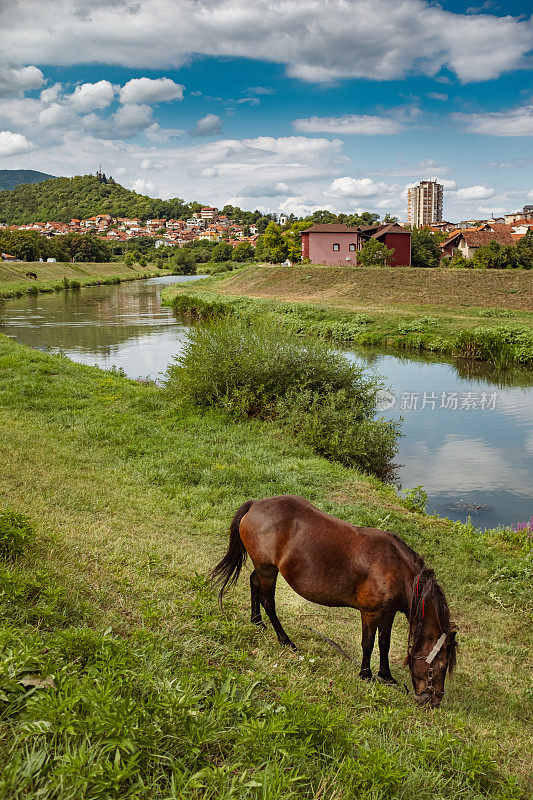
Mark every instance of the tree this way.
pixel 524 249
pixel 375 254
pixel 183 263
pixel 425 250
pixel 129 259
pixel 244 252
pixel 271 246
pixel 494 256
pixel 223 251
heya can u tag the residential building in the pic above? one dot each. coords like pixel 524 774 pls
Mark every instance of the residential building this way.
pixel 209 214
pixel 337 244
pixel 424 204
pixel 466 242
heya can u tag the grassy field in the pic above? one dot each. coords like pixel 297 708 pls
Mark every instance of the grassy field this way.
pixel 157 693
pixel 53 277
pixel 399 290
pixel 467 313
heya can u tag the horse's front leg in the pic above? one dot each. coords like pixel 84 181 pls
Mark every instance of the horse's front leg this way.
pixel 367 643
pixel 385 627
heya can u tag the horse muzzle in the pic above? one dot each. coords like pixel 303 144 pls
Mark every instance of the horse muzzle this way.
pixel 432 698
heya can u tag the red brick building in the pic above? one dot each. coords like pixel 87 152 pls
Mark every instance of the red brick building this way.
pixel 334 244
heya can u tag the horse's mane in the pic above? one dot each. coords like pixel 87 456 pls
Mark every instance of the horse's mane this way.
pixel 426 588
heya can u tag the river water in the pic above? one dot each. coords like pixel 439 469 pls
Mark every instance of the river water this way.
pixel 468 430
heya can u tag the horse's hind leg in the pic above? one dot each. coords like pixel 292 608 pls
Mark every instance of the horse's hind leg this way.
pixel 255 590
pixel 267 582
pixel 385 627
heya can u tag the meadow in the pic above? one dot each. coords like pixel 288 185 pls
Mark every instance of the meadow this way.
pixel 120 677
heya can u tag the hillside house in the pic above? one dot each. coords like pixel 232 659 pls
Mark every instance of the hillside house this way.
pixel 335 244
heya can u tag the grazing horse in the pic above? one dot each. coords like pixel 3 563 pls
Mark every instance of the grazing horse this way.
pixel 31 275
pixel 333 563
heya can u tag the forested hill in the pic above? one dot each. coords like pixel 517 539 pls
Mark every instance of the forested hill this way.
pixel 9 178
pixel 62 199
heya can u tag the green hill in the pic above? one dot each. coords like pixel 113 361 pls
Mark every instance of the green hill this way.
pixel 10 178
pixel 61 199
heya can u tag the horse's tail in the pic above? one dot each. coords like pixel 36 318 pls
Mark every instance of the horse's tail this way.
pixel 228 569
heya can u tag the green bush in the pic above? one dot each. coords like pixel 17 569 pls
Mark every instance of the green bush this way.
pixel 255 369
pixel 16 532
pixel 336 427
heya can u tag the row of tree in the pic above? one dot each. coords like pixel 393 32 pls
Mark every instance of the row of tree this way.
pixel 31 246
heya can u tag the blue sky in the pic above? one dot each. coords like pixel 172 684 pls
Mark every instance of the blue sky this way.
pixel 292 105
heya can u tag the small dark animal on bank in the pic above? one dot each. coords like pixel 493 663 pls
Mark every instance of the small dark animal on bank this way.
pixel 31 275
pixel 333 563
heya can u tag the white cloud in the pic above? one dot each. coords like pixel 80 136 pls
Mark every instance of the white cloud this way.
pixel 355 187
pixel 490 211
pixel 143 187
pixel 13 143
pixel 210 125
pixel 377 39
pixel 349 124
pixel 151 90
pixel 437 96
pixel 517 122
pixel 89 96
pixel 51 94
pixel 474 193
pixel 54 115
pixel 17 81
pixel 131 119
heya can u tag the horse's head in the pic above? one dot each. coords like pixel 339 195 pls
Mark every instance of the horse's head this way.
pixel 429 666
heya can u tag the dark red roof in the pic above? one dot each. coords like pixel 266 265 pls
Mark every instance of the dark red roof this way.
pixel 330 227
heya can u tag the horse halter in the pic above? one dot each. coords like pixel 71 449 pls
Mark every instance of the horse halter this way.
pixel 429 659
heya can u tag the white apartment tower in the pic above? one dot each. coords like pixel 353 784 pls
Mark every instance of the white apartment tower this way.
pixel 424 203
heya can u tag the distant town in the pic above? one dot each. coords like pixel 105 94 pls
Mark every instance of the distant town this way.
pixel 425 203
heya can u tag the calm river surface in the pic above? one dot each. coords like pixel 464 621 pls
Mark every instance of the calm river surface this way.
pixel 468 438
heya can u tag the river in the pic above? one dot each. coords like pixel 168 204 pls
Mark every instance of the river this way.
pixel 468 430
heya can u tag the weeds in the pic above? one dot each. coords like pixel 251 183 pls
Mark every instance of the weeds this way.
pixel 252 369
pixel 16 533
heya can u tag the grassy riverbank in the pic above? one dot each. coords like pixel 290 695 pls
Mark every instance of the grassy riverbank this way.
pixel 157 692
pixel 465 313
pixel 57 276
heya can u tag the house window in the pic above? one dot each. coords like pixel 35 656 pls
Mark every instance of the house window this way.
pixel 352 247
pixel 336 247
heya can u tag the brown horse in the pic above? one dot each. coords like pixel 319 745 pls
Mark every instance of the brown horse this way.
pixel 336 564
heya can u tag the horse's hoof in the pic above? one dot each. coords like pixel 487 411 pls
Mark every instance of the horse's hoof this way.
pixel 366 674
pixel 259 623
pixel 290 644
pixel 388 680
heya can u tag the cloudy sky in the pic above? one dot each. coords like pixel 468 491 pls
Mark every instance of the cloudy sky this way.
pixel 282 105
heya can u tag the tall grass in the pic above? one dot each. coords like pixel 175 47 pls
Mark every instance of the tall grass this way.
pixel 253 368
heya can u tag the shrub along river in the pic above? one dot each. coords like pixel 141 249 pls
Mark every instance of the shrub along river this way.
pixel 468 432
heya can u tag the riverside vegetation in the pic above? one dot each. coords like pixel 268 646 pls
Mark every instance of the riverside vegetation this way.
pixel 55 277
pixel 441 311
pixel 120 677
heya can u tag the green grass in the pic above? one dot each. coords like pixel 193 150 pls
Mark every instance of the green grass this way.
pixel 158 693
pixel 501 337
pixel 57 276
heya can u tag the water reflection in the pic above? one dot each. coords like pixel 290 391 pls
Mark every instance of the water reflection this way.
pixel 123 326
pixel 473 458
